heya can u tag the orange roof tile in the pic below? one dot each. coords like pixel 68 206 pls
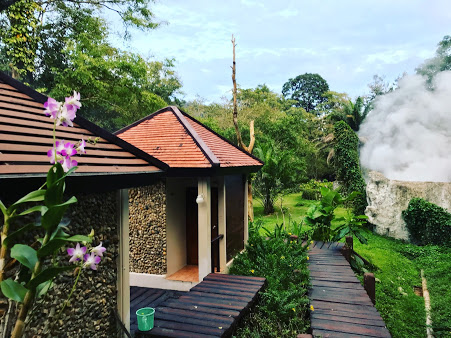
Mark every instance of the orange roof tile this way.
pixel 180 141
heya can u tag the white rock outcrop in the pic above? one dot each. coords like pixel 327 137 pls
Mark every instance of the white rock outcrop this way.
pixel 388 198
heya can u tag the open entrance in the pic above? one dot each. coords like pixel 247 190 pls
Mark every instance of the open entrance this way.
pixel 190 272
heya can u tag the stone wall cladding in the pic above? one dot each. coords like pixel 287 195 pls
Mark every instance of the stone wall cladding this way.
pixel 388 198
pixel 148 229
pixel 91 310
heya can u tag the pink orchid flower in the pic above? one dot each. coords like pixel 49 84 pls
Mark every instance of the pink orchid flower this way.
pixel 76 253
pixel 81 147
pixel 52 108
pixel 91 261
pixel 74 100
pixel 68 163
pixel 98 250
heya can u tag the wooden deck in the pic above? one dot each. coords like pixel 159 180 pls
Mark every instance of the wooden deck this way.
pixel 210 309
pixel 342 307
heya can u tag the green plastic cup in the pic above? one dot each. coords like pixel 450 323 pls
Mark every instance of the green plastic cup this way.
pixel 145 318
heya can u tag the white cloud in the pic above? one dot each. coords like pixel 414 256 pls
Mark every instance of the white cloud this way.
pixel 346 42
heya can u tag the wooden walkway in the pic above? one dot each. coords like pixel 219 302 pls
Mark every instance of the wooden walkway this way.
pixel 210 309
pixel 341 305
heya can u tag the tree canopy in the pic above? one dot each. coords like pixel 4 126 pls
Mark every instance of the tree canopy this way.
pixel 440 62
pixel 306 91
pixel 60 46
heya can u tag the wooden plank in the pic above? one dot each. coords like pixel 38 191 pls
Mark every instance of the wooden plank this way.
pixel 346 319
pixel 214 277
pixel 206 321
pixel 356 308
pixel 223 291
pixel 212 331
pixel 237 278
pixel 83 159
pixel 208 299
pixel 27 116
pixel 37 169
pixel 136 291
pixel 334 334
pixel 69 134
pixel 351 314
pixel 339 298
pixel 165 332
pixel 13 147
pixel 373 331
pixel 360 293
pixel 10 91
pixel 23 108
pixel 200 308
pixel 148 295
pixel 220 296
pixel 212 303
pixel 49 141
pixel 231 286
pixel 48 124
pixel 323 283
pixel 332 269
pixel 20 101
pixel 226 319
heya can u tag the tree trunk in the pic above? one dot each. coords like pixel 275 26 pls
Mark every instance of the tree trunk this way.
pixel 268 207
pixel 248 149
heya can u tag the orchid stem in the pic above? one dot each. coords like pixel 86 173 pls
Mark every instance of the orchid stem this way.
pixel 70 294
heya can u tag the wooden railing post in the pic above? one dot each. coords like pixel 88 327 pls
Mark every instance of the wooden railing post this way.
pixel 347 250
pixel 350 242
pixel 369 283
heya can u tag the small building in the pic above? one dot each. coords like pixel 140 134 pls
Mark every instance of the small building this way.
pixel 167 194
pixel 195 220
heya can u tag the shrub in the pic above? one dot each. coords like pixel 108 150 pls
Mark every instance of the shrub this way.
pixel 427 223
pixel 311 189
pixel 283 307
pixel 347 167
pixel 320 216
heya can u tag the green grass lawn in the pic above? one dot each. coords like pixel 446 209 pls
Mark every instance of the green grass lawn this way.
pixel 297 207
pixel 398 266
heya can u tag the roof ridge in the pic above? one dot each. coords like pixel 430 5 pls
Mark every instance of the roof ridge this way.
pixel 222 137
pixel 214 161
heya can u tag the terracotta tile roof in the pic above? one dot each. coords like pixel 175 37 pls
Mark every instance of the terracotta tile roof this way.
pixel 26 135
pixel 180 141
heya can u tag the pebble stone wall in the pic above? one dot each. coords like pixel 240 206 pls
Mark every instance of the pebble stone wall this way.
pixel 147 207
pixel 91 310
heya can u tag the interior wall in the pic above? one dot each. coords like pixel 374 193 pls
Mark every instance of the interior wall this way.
pixel 175 223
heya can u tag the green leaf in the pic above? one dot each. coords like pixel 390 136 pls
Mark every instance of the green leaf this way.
pixel 55 213
pixel 342 233
pixel 25 255
pixel 34 196
pixel 41 208
pixel 58 242
pixel 3 208
pixel 43 288
pixel 362 239
pixel 12 236
pixel 48 274
pixel 13 290
pixel 55 185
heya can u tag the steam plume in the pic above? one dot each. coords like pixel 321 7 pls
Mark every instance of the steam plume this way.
pixel 408 134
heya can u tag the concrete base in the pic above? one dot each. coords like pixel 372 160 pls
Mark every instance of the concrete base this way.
pixel 159 282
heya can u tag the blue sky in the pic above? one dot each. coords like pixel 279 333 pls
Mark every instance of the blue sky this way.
pixel 346 42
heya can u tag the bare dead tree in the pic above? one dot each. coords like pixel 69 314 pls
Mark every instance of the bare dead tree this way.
pixel 250 147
